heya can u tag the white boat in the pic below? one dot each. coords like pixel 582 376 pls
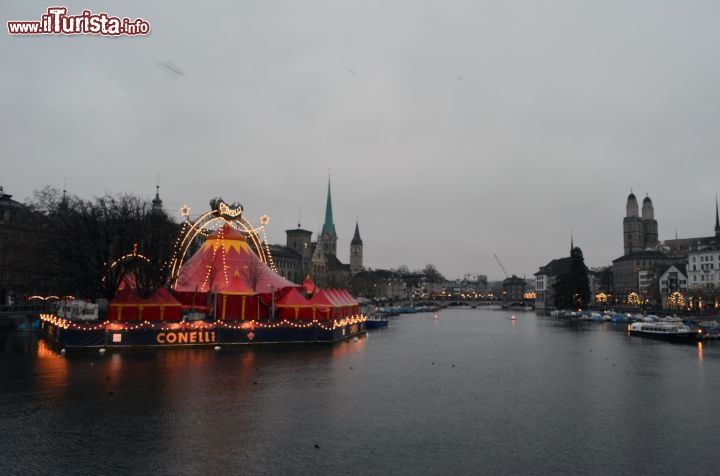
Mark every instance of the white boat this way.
pixel 665 330
pixel 77 310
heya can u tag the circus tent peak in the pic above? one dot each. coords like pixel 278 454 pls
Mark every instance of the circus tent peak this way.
pixel 223 257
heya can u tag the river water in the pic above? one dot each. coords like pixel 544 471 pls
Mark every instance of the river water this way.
pixel 472 392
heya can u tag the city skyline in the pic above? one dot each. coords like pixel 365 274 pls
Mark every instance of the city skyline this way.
pixel 452 133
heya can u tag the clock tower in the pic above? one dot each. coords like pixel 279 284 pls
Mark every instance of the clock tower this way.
pixel 356 252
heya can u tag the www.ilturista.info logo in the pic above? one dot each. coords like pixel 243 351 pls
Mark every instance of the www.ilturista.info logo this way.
pixel 58 22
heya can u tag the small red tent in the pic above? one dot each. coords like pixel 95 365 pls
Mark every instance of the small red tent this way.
pixel 237 301
pixel 294 306
pixel 324 307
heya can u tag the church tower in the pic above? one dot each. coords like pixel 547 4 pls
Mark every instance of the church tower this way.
pixel 328 238
pixel 300 241
pixel 356 252
pixel 632 227
pixel 319 265
pixel 717 219
pixel 650 226
pixel 157 203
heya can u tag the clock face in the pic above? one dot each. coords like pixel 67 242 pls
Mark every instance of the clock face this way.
pixel 355 251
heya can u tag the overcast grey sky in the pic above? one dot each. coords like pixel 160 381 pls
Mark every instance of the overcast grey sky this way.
pixel 452 129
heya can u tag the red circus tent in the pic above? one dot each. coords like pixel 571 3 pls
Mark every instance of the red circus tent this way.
pixel 339 302
pixel 237 301
pixel 324 307
pixel 226 265
pixel 127 305
pixel 352 305
pixel 294 306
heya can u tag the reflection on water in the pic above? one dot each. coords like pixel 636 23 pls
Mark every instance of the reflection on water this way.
pixel 472 392
pixel 51 366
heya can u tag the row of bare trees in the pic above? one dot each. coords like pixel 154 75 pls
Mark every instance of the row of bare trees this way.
pixel 89 245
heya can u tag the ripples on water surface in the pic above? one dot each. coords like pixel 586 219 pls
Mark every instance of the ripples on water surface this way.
pixel 470 393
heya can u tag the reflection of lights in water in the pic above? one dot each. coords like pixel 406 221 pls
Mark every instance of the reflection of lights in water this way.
pixel 52 366
pixel 700 351
pixel 349 346
pixel 44 351
pixel 115 364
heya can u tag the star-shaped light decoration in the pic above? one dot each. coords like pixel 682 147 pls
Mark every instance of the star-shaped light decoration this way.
pixel 185 211
pixel 264 220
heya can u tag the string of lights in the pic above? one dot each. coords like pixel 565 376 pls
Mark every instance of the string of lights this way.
pixel 200 325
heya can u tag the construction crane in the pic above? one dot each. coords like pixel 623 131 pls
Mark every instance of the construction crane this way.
pixel 501 265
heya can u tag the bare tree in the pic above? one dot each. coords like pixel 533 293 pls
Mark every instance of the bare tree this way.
pixel 431 272
pixel 252 273
pixel 91 244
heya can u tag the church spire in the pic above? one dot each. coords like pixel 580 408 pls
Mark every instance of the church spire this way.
pixel 329 226
pixel 717 219
pixel 356 238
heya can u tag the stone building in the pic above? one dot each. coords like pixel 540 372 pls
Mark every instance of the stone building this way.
pixel 513 289
pixel 703 268
pixel 22 268
pixel 673 279
pixel 545 280
pixel 628 270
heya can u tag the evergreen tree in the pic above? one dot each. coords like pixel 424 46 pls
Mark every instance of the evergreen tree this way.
pixel 572 289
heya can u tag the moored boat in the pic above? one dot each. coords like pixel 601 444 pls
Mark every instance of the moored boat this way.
pixel 375 320
pixel 674 332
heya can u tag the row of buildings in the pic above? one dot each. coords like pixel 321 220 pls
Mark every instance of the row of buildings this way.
pixel 676 273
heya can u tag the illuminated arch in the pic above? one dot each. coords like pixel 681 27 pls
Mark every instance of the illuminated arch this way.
pixel 204 225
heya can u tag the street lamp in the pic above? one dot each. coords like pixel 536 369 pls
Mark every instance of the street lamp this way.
pixel 272 302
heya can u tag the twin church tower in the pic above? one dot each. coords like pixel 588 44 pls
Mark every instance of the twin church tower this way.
pixel 640 232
